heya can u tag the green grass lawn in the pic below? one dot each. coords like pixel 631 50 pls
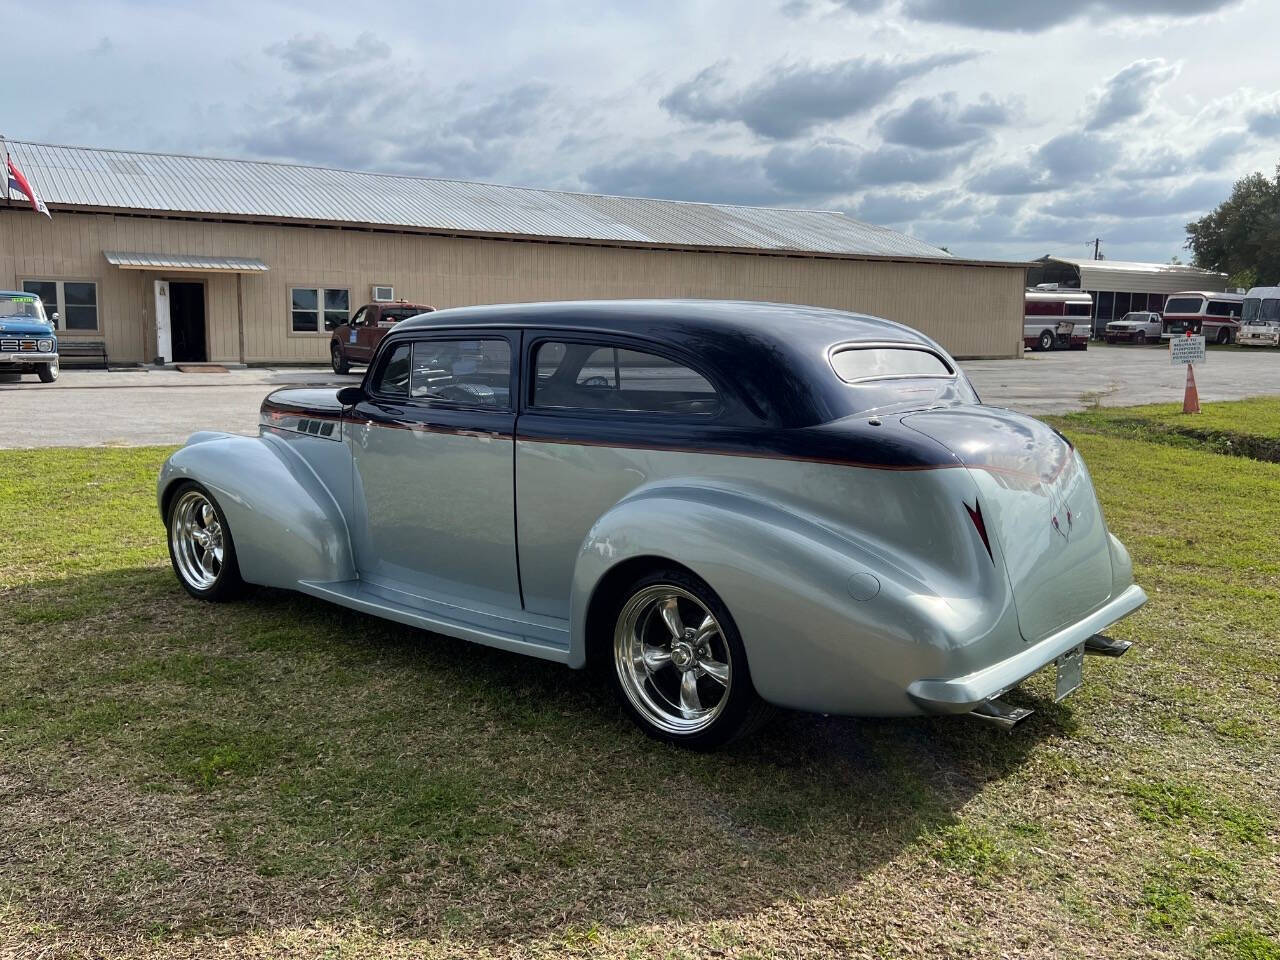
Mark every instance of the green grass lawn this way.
pixel 1248 428
pixel 283 777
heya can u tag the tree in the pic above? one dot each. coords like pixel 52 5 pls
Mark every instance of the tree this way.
pixel 1241 237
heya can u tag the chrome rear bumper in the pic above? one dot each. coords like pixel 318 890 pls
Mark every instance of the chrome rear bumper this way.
pixel 964 694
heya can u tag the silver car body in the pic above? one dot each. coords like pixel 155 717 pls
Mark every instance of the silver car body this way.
pixel 921 556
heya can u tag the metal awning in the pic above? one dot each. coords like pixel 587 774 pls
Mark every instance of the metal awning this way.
pixel 184 262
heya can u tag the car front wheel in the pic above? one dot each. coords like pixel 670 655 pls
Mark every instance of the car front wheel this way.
pixel 1140 338
pixel 679 665
pixel 339 361
pixel 47 372
pixel 200 545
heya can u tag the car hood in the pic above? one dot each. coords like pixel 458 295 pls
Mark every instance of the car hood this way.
pixel 24 326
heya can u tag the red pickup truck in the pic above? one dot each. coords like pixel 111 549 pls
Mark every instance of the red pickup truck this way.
pixel 356 341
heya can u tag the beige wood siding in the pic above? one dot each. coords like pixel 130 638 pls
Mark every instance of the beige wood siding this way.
pixel 974 311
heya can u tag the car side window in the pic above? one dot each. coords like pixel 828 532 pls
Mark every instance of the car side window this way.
pixel 393 377
pixel 473 372
pixel 359 318
pixel 594 377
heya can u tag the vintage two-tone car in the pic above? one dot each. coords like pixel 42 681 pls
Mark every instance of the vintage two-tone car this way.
pixel 28 341
pixel 728 504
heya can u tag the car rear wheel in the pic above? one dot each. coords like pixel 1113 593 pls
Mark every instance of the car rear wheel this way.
pixel 200 545
pixel 680 668
pixel 47 372
pixel 1046 340
pixel 339 360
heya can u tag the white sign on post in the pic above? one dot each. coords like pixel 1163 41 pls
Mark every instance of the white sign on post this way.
pixel 1183 350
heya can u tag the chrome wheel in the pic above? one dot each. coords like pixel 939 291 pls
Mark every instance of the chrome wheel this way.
pixel 672 659
pixel 197 539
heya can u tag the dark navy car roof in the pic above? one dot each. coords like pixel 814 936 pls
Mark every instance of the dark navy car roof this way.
pixel 774 355
pixel 782 325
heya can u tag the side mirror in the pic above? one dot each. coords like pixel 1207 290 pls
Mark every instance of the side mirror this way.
pixel 53 318
pixel 350 396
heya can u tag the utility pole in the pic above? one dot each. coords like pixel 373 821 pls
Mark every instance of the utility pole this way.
pixel 1097 248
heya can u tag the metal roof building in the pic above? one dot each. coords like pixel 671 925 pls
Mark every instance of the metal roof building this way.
pixel 164 257
pixel 1119 286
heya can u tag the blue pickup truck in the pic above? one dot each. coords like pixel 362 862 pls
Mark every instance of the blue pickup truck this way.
pixel 28 343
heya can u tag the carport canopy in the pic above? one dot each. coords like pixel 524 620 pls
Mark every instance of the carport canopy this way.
pixel 184 262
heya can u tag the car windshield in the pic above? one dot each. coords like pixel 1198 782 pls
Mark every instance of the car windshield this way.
pixel 1183 305
pixel 1270 310
pixel 1134 318
pixel 26 307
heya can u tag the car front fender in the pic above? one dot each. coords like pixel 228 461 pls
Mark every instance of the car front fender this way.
pixel 830 623
pixel 286 525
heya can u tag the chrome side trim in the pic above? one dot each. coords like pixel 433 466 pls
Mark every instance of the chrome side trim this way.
pixel 964 694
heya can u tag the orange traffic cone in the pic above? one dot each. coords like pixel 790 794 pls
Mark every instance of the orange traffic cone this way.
pixel 1190 398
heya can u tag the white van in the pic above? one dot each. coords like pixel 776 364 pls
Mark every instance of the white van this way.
pixel 1260 324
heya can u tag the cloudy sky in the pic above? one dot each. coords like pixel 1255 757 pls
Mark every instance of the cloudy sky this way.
pixel 996 128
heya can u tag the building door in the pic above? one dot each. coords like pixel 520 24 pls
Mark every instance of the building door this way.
pixel 186 321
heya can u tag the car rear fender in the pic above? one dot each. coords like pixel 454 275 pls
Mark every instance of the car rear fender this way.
pixel 830 621
pixel 285 522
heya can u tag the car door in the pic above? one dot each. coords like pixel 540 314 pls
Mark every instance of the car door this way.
pixel 601 416
pixel 366 341
pixel 433 458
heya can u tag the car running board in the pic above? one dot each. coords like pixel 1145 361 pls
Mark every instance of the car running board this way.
pixel 1103 646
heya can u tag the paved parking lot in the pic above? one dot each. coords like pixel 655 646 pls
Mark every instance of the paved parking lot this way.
pixel 93 407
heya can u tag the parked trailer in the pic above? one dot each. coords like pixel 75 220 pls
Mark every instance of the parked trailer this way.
pixel 1057 319
pixel 1215 316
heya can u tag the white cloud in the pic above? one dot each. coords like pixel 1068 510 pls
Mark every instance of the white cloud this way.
pixel 1017 145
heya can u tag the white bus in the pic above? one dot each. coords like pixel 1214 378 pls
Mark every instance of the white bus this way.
pixel 1216 316
pixel 1057 319
pixel 1260 324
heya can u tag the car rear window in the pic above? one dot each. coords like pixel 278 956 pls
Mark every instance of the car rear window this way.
pixel 870 363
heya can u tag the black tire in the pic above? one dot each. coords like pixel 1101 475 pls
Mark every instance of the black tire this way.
pixel 738 712
pixel 339 360
pixel 47 372
pixel 1140 338
pixel 227 584
pixel 1224 336
pixel 1046 340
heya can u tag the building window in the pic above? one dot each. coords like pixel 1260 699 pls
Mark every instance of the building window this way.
pixel 312 307
pixel 75 302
